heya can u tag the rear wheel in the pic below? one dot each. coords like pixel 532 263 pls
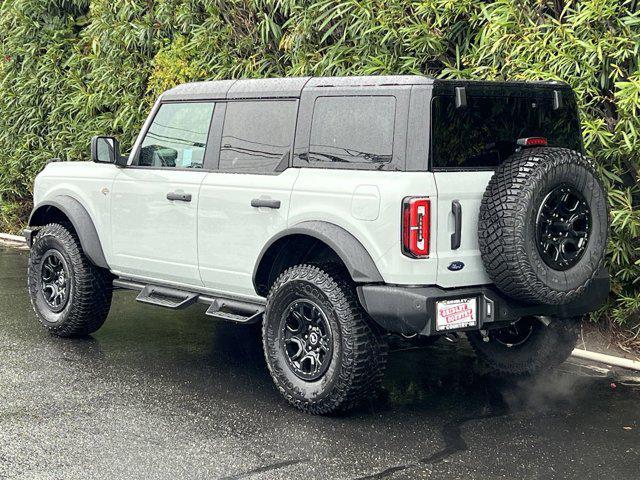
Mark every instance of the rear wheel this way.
pixel 527 346
pixel 323 353
pixel 70 295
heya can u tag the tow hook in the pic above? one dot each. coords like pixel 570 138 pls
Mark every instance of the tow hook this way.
pixel 485 336
pixel 452 337
pixel 546 321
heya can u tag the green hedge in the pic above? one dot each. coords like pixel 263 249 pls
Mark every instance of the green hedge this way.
pixel 72 68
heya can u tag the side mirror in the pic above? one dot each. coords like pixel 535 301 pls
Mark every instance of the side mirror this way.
pixel 106 150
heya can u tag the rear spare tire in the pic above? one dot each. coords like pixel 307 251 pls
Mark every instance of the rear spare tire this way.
pixel 543 225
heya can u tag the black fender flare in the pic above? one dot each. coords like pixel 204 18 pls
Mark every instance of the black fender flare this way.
pixel 355 257
pixel 81 221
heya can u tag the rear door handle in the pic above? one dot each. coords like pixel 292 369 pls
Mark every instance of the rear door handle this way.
pixel 179 196
pixel 456 236
pixel 265 202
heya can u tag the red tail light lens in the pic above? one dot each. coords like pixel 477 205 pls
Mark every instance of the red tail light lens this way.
pixel 532 142
pixel 416 226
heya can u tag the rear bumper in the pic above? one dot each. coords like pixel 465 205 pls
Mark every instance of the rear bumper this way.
pixel 411 310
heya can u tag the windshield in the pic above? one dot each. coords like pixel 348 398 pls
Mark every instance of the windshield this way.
pixel 483 133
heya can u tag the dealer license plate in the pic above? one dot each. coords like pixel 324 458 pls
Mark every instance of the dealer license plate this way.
pixel 454 314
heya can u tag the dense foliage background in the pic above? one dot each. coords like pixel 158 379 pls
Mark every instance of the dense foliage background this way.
pixel 70 69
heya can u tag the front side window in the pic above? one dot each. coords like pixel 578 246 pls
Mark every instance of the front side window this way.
pixel 353 129
pixel 177 136
pixel 257 135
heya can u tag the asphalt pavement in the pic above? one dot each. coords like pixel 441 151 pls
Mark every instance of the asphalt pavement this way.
pixel 159 394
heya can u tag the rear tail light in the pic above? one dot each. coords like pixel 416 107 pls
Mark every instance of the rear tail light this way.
pixel 532 142
pixel 416 226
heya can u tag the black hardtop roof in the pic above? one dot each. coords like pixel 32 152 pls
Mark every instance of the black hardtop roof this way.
pixel 291 87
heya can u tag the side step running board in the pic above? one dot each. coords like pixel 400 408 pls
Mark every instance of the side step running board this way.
pixel 166 297
pixel 235 311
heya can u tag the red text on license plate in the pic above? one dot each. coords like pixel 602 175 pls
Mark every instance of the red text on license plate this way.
pixel 454 314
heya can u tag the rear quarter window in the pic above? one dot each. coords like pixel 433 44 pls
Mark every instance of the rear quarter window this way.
pixel 483 133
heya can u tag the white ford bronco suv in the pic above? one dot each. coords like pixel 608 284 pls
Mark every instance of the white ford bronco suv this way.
pixel 337 212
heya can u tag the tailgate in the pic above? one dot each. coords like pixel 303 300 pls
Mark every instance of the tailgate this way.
pixel 467 189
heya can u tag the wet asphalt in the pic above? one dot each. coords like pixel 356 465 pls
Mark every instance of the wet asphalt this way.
pixel 159 394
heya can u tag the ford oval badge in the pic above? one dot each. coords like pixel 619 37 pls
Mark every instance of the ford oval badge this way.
pixel 455 266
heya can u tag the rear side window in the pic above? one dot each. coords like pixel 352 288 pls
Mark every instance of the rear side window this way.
pixel 353 129
pixel 257 135
pixel 177 136
pixel 484 133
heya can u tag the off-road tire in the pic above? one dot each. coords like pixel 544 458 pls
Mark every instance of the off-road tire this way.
pixel 507 225
pixel 359 350
pixel 90 289
pixel 547 347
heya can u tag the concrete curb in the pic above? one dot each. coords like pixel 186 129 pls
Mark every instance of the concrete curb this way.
pixel 606 359
pixel 7 238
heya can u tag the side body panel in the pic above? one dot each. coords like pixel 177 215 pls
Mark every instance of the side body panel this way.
pixel 362 199
pixel 214 240
pixel 88 183
pixel 152 237
pixel 368 205
pixel 232 233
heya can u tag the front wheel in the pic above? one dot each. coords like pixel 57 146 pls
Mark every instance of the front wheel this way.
pixel 527 346
pixel 70 295
pixel 323 353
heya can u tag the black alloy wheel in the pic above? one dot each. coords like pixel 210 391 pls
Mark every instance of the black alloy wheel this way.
pixel 55 280
pixel 307 339
pixel 562 227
